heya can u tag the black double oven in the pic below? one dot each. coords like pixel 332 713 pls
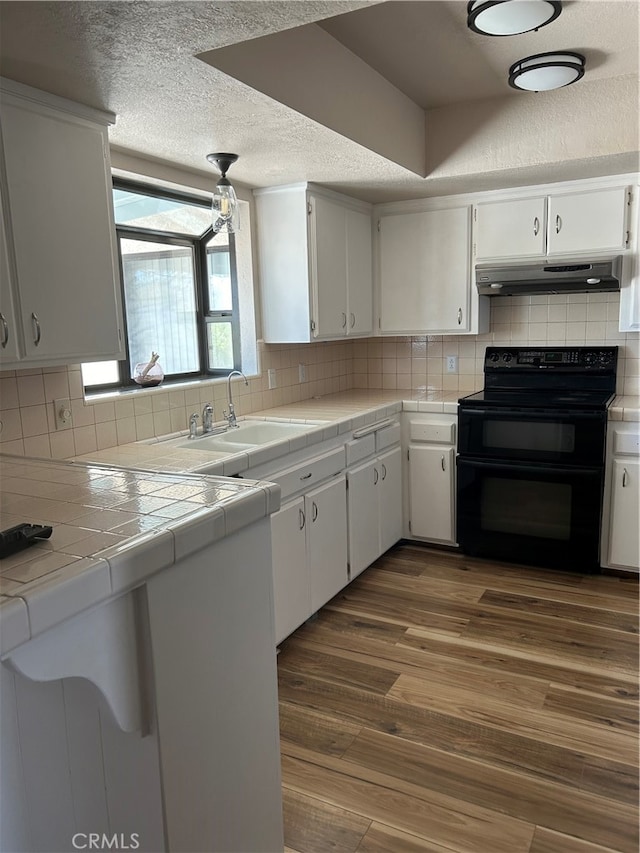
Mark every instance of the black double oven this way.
pixel 531 451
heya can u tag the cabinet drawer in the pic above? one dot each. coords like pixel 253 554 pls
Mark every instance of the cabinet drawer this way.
pixel 306 474
pixel 360 448
pixel 627 443
pixel 387 436
pixel 432 432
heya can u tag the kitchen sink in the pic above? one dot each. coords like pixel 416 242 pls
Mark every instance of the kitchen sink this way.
pixel 250 433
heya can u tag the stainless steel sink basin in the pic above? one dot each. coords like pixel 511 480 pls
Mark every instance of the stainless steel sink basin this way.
pixel 250 433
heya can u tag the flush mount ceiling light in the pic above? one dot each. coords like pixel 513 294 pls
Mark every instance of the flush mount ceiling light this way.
pixel 510 17
pixel 545 71
pixel 225 203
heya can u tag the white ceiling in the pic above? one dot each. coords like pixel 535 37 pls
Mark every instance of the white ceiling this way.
pixel 140 60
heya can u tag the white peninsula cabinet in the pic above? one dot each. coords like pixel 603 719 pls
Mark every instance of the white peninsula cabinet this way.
pixel 315 256
pixel 424 264
pixel 60 282
pixel 553 223
pixel 620 534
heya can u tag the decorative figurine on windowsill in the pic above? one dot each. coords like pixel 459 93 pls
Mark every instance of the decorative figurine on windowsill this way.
pixel 149 374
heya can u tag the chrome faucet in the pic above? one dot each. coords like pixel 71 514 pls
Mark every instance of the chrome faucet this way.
pixel 207 418
pixel 231 415
pixel 193 425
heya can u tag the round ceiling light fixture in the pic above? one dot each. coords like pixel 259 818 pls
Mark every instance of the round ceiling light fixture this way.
pixel 510 17
pixel 543 72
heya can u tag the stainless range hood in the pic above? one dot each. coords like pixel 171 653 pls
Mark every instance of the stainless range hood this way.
pixel 565 276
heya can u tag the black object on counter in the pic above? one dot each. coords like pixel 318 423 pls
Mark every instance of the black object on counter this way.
pixel 17 538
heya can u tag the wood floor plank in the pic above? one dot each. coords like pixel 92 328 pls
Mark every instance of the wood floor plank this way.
pixel 589 816
pixel 465 704
pixel 312 824
pixel 450 704
pixel 404 806
pixel 613 619
pixel 547 841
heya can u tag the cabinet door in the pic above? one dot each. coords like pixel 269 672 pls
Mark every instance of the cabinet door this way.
pixel 431 478
pixel 390 465
pixel 425 271
pixel 588 221
pixel 326 512
pixel 328 247
pixel 59 193
pixel 9 349
pixel 291 591
pixel 510 229
pixel 359 273
pixel 362 504
pixel 624 546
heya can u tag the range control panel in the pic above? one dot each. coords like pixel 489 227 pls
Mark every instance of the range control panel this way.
pixel 578 359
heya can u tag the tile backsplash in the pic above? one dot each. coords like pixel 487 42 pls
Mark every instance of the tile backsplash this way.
pixel 409 364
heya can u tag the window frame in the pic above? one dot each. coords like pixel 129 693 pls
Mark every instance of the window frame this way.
pixel 205 316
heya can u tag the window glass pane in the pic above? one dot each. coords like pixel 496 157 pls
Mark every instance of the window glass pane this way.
pixel 219 273
pixel 160 300
pixel 220 342
pixel 100 373
pixel 160 214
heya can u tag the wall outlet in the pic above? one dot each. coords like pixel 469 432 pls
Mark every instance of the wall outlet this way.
pixel 62 410
pixel 271 377
pixel 302 373
pixel 452 363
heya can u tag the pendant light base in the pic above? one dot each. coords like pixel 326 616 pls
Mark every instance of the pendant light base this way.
pixel 222 161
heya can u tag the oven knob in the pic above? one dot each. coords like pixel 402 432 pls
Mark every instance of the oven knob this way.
pixel 494 357
pixel 507 357
pixel 605 357
pixel 589 358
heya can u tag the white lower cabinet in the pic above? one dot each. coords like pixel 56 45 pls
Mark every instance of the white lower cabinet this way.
pixel 292 593
pixel 326 521
pixel 430 477
pixel 374 503
pixel 620 545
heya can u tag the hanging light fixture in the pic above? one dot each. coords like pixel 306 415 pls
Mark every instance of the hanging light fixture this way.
pixel 545 71
pixel 225 202
pixel 510 17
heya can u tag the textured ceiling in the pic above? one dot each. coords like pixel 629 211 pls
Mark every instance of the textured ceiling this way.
pixel 140 60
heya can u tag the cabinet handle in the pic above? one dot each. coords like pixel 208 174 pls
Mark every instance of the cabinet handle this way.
pixel 306 476
pixel 442 462
pixel 36 329
pixel 536 226
pixel 314 511
pixel 376 476
pixel 625 477
pixel 302 519
pixel 558 223
pixel 384 471
pixel 5 331
pixel 459 316
pixel 344 320
pixel 353 319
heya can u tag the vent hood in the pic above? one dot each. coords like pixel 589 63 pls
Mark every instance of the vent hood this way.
pixel 565 276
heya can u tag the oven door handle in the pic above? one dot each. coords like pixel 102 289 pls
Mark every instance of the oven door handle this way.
pixel 526 467
pixel 533 414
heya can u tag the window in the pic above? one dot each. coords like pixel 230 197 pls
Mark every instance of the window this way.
pixel 182 296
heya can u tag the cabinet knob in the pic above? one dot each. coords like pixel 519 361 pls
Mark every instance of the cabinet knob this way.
pixel 5 331
pixel 625 477
pixel 376 476
pixel 344 320
pixel 302 519
pixel 314 511
pixel 536 226
pixel 353 319
pixel 558 223
pixel 459 316
pixel 384 471
pixel 36 329
pixel 442 462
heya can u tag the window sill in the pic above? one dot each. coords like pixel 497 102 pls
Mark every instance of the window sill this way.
pixel 166 387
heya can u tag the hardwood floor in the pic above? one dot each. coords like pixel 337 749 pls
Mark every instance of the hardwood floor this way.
pixel 442 703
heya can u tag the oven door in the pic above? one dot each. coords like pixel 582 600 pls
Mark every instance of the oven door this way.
pixel 544 515
pixel 554 436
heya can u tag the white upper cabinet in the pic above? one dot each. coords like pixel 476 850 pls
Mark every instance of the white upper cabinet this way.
pixel 9 323
pixel 594 221
pixel 510 229
pixel 425 272
pixel 58 205
pixel 560 223
pixel 315 253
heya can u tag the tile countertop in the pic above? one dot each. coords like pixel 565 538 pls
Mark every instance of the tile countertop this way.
pixel 339 412
pixel 112 528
